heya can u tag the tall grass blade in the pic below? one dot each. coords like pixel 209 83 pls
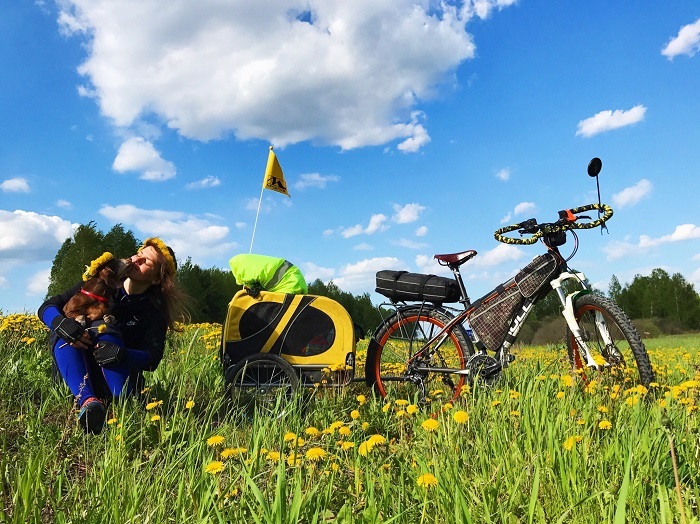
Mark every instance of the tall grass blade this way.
pixel 621 506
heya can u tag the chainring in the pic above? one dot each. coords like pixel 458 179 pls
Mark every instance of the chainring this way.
pixel 476 364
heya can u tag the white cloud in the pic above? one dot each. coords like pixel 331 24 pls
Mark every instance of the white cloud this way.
pixel 687 42
pixel 361 276
pixel 363 246
pixel 38 283
pixel 314 180
pixel 609 120
pixel 27 236
pixel 421 231
pixel 407 214
pixel 64 204
pixel 616 249
pixel 409 244
pixel 520 209
pixel 362 78
pixel 204 183
pixel 632 195
pixel 503 174
pixel 137 154
pixel 312 272
pixel 188 235
pixel 15 185
pixel 376 223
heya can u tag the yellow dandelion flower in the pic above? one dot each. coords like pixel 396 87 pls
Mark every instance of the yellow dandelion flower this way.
pixel 344 431
pixel 515 413
pixel 581 422
pixel 447 406
pixel 312 431
pixel 495 403
pixel 514 394
pixel 569 443
pixel 604 424
pixel 118 438
pixel 346 444
pixel 427 480
pixel 289 436
pixel 273 456
pixel 365 448
pixel 377 439
pixel 190 404
pixel 215 440
pixel 560 394
pixel 354 414
pixel 400 413
pixel 315 453
pixel 567 380
pixel 112 421
pixel 293 460
pixel 602 409
pixel 215 467
pixel 228 453
pixel 631 401
pixel 386 407
pixel 411 409
pixel 460 417
pixel 430 424
pixel 153 405
pixel 401 402
pixel 361 399
pixel 155 418
pixel 365 426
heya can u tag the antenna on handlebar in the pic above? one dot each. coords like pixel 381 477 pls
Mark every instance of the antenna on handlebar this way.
pixel 594 167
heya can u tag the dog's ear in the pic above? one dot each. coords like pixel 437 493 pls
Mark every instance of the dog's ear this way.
pixel 110 278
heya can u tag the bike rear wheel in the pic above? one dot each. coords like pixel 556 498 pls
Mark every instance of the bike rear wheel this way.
pixel 402 361
pixel 620 353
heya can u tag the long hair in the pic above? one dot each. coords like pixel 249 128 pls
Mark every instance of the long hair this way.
pixel 169 297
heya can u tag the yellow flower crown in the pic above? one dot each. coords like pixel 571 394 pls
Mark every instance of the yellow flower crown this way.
pixel 160 246
pixel 91 270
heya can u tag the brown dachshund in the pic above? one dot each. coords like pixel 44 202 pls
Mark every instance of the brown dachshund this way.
pixel 94 299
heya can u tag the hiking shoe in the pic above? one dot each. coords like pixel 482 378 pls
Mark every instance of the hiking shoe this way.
pixel 92 416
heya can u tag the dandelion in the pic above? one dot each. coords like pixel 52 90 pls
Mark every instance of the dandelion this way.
pixel 293 460
pixel 155 418
pixel 215 440
pixel 401 402
pixel 495 403
pixel 118 438
pixel 377 439
pixel 289 436
pixel 567 380
pixel 514 394
pixel 411 409
pixel 460 417
pixel 153 405
pixel 315 453
pixel 448 406
pixel 631 401
pixel 401 413
pixel 273 456
pixel 430 424
pixel 386 407
pixel 515 413
pixel 112 421
pixel 354 414
pixel 361 399
pixel 190 404
pixel 570 442
pixel 228 453
pixel 214 467
pixel 581 422
pixel 602 409
pixel 560 394
pixel 312 431
pixel 427 480
pixel 346 444
pixel 604 424
pixel 365 426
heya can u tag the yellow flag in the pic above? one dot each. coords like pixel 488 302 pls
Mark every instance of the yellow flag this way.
pixel 274 178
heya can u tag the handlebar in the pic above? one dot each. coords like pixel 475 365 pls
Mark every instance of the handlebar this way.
pixel 567 220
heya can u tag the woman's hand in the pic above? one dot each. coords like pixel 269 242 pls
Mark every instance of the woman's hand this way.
pixel 71 331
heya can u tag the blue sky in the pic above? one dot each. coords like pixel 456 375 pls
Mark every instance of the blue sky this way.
pixel 404 129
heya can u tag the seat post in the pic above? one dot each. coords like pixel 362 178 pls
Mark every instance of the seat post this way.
pixel 462 288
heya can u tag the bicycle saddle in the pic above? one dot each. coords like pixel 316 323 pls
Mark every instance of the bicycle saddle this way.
pixel 455 259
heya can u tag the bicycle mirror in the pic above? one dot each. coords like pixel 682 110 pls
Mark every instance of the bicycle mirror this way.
pixel 594 166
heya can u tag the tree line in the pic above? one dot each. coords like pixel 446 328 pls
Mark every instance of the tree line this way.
pixel 667 300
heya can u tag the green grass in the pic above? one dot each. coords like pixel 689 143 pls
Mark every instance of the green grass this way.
pixel 535 448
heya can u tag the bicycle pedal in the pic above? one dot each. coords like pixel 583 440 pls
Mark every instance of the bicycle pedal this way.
pixel 511 358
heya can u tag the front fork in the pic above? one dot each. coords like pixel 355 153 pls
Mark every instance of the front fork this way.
pixel 567 302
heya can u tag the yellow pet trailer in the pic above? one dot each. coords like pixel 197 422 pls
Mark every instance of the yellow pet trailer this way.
pixel 274 342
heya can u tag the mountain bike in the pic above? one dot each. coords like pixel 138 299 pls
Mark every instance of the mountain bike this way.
pixel 426 348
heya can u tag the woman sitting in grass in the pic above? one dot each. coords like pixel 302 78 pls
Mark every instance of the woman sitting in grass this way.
pixel 97 369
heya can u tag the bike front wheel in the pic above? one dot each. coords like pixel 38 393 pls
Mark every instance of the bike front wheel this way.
pixel 613 341
pixel 413 354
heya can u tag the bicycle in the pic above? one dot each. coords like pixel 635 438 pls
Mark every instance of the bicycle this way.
pixel 424 346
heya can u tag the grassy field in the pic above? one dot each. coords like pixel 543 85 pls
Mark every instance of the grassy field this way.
pixel 537 447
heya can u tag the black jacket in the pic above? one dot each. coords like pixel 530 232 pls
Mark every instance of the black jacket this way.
pixel 139 319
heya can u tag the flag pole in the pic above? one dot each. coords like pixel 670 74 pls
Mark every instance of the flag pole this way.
pixel 256 219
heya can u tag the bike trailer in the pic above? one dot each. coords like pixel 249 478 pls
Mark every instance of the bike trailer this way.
pixel 399 286
pixel 315 334
pixel 491 316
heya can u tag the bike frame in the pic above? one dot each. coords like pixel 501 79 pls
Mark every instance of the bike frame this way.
pixel 502 355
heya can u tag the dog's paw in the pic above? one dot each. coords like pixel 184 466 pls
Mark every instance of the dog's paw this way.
pixel 109 319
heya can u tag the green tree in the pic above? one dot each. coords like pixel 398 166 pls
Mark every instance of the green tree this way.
pixel 86 245
pixel 212 290
pixel 615 289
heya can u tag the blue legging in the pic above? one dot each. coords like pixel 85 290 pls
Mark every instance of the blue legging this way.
pixel 80 371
